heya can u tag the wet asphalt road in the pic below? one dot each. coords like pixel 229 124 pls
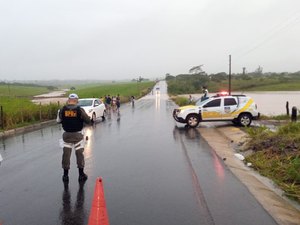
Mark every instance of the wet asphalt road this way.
pixel 153 172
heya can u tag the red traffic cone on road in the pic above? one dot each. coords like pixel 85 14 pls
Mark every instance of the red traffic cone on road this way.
pixel 98 214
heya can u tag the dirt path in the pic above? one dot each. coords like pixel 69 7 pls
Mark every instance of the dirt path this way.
pixel 46 101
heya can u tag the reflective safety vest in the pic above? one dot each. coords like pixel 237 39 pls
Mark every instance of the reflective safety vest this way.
pixel 71 119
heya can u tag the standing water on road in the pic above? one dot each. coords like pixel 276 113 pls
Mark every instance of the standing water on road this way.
pixel 270 102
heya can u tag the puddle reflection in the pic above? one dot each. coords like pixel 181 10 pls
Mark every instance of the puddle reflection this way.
pixel 194 134
pixel 157 100
pixel 76 216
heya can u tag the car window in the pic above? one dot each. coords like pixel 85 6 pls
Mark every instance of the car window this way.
pixel 85 102
pixel 229 101
pixel 213 103
pixel 199 102
pixel 96 103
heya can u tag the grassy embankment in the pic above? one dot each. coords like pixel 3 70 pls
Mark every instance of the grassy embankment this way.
pixel 276 155
pixel 18 110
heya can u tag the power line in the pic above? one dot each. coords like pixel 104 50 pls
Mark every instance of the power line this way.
pixel 292 20
pixel 270 37
pixel 274 31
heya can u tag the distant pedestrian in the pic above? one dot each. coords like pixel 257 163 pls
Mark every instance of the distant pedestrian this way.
pixel 73 117
pixel 132 100
pixel 108 103
pixel 102 99
pixel 118 103
pixel 113 103
pixel 190 99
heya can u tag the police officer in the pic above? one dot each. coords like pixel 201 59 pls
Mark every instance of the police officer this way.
pixel 72 118
pixel 205 92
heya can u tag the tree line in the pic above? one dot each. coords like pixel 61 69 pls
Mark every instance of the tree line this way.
pixel 193 83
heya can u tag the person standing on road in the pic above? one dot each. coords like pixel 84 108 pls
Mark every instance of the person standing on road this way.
pixel 190 99
pixel 118 103
pixel 108 103
pixel 132 99
pixel 73 117
pixel 113 103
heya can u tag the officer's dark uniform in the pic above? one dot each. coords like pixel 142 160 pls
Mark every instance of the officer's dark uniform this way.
pixel 72 118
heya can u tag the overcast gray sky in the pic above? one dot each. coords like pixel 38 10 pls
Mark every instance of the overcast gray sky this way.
pixel 119 39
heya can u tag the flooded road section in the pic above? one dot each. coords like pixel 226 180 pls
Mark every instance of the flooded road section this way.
pixel 153 171
pixel 269 103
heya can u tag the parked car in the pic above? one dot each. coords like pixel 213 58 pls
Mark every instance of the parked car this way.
pixel 239 109
pixel 94 107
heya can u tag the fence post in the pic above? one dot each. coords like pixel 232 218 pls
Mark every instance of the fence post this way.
pixel 40 111
pixel 2 119
pixel 287 109
pixel 294 114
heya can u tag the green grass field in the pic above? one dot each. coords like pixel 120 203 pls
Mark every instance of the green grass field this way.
pixel 21 90
pixel 124 89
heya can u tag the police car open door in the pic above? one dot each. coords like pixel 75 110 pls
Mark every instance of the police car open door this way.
pixel 230 105
pixel 212 110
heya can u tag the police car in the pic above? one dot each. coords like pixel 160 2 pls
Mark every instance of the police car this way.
pixel 240 109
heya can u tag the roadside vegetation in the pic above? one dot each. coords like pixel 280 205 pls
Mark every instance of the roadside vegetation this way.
pixel 18 112
pixel 181 101
pixel 17 108
pixel 276 155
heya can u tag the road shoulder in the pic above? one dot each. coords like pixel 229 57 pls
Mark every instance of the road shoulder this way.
pixel 222 140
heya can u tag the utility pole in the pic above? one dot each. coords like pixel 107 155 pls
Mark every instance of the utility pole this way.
pixel 244 70
pixel 229 75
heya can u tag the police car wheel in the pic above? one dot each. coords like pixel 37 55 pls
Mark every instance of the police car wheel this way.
pixel 193 120
pixel 245 119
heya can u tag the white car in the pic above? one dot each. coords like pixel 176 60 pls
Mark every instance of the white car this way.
pixel 94 107
pixel 239 109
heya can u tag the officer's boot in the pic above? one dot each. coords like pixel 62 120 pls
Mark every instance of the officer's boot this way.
pixel 82 175
pixel 65 177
